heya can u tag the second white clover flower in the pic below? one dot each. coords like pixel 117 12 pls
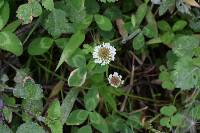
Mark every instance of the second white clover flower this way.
pixel 115 80
pixel 103 54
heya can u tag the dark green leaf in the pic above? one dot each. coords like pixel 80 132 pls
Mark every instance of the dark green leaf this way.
pixel 40 45
pixel 4 13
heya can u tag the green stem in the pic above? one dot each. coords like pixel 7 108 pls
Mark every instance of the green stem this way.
pixel 49 71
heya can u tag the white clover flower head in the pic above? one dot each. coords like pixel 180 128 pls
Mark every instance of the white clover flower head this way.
pixel 103 54
pixel 115 80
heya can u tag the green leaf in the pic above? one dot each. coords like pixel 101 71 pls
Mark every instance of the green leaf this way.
pixel 75 9
pixel 165 77
pixel 12 26
pixel 48 4
pixel 140 13
pixel 77 117
pixel 61 42
pixel 53 117
pixel 103 22
pixel 185 45
pixel 54 111
pixel 164 25
pixel 40 45
pixel 91 99
pixel 1 3
pixel 113 12
pixel 11 43
pixel 166 5
pixel 108 97
pixel 177 120
pixel 168 110
pixel 167 37
pixel 77 77
pixel 92 6
pixel 5 129
pixel 36 8
pixel 165 121
pixel 84 24
pixel 116 122
pixel 152 24
pixel 185 75
pixel 34 107
pixel 56 23
pixel 77 60
pixel 195 112
pixel 138 42
pixel 30 127
pixel 29 90
pixel 74 42
pixel 55 126
pixel 179 25
pixel 133 20
pixel 26 12
pixel 4 14
pixel 68 103
pixel 85 129
pixel 98 122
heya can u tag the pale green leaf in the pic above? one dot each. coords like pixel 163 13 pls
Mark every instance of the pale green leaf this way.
pixel 77 117
pixel 11 43
pixel 30 127
pixel 77 77
pixel 140 13
pixel 103 22
pixel 48 4
pixel 179 25
pixel 168 110
pixel 56 23
pixel 185 45
pixel 68 104
pixel 185 75
pixel 54 110
pixel 29 90
pixel 165 121
pixel 177 120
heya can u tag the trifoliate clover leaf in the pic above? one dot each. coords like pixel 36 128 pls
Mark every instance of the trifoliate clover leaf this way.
pixel 185 75
pixel 167 82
